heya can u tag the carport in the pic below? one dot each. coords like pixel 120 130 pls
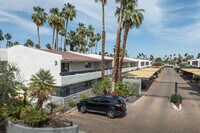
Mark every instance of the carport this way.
pixel 144 76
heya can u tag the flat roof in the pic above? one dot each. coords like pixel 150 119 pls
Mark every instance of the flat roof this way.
pixel 73 56
pixel 192 70
pixel 142 73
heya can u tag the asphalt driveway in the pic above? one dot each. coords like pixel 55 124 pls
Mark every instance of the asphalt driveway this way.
pixel 152 114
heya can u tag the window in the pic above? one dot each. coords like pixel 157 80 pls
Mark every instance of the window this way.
pixel 103 100
pixel 87 65
pixel 96 100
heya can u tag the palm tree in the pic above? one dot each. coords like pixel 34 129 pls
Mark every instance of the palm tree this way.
pixel 117 45
pixel 97 38
pixel 16 43
pixel 39 18
pixel 51 21
pixel 58 24
pixel 48 46
pixel 8 37
pixel 92 43
pixel 9 44
pixel 29 43
pixel 1 37
pixel 71 39
pixel 69 13
pixel 42 86
pixel 62 33
pixel 89 32
pixel 133 18
pixel 103 3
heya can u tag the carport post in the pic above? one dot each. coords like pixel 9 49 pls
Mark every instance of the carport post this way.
pixel 176 88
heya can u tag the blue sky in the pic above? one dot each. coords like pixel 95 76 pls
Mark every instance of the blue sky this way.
pixel 170 26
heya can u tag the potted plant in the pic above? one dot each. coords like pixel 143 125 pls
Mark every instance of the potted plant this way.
pixel 176 101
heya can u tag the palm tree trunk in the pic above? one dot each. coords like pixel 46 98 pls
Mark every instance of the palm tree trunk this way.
pixel 61 41
pixel 71 47
pixel 38 31
pixel 56 43
pixel 116 55
pixel 96 47
pixel 39 104
pixel 103 44
pixel 127 26
pixel 7 44
pixel 65 43
pixel 53 47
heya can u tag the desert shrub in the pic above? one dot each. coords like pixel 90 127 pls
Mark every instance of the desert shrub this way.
pixel 133 88
pixel 196 78
pixel 72 103
pixel 83 96
pixel 122 89
pixel 34 117
pixel 102 87
pixel 175 97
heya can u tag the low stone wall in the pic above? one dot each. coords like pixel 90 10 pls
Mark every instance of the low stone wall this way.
pixel 16 128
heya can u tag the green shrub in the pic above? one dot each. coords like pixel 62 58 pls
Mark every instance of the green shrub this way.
pixel 83 96
pixel 102 87
pixel 34 117
pixel 122 89
pixel 72 103
pixel 133 88
pixel 175 97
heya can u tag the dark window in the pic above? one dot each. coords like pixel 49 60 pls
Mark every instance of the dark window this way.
pixel 96 100
pixel 87 65
pixel 103 100
pixel 120 101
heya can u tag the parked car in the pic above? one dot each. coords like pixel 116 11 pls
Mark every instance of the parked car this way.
pixel 109 105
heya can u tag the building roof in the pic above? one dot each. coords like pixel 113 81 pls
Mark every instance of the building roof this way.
pixel 73 56
pixel 99 57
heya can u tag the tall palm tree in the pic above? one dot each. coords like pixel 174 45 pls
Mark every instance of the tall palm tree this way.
pixel 69 13
pixel 62 33
pixel 117 45
pixel 8 38
pixel 1 37
pixel 133 18
pixel 89 32
pixel 9 44
pixel 103 3
pixel 51 21
pixel 92 43
pixel 42 86
pixel 97 38
pixel 39 17
pixel 71 39
pixel 58 24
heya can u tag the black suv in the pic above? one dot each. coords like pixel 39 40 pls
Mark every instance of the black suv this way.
pixel 110 105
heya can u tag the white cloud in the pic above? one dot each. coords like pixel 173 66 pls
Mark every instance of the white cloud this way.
pixel 30 26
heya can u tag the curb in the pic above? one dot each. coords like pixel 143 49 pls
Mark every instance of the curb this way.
pixel 136 100
pixel 69 111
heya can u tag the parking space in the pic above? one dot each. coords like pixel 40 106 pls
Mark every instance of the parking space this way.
pixel 152 114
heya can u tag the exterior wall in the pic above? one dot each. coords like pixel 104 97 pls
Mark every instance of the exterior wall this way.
pixel 80 66
pixel 30 61
pixel 3 55
pixel 16 128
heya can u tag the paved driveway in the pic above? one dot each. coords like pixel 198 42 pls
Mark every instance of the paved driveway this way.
pixel 152 114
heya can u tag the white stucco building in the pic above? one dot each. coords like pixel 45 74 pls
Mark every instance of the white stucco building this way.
pixel 194 63
pixel 74 72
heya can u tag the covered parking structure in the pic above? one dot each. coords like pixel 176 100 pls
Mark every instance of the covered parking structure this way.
pixel 144 76
pixel 191 72
pixel 147 73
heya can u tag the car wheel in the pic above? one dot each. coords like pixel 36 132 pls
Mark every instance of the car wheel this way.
pixel 111 113
pixel 83 109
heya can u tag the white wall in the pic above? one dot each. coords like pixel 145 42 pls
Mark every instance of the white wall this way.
pixel 3 55
pixel 80 66
pixel 30 61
